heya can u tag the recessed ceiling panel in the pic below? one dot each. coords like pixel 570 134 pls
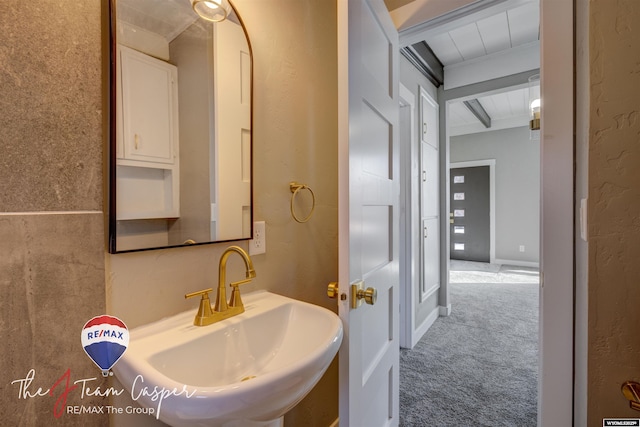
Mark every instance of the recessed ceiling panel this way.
pixel 500 105
pixel 494 31
pixel 444 48
pixel 459 114
pixel 468 41
pixel 524 22
pixel 489 105
pixel 518 101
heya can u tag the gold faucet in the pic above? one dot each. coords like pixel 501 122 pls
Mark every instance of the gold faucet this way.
pixel 223 310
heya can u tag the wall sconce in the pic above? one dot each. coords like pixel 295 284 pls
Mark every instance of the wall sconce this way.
pixel 212 10
pixel 534 107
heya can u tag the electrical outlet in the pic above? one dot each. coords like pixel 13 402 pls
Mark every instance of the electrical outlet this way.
pixel 521 248
pixel 258 245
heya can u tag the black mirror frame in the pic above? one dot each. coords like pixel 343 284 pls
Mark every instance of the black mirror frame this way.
pixel 111 138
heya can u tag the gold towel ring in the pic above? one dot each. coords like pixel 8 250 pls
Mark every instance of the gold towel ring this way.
pixel 295 188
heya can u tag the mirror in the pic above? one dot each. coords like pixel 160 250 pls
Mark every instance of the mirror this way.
pixel 180 128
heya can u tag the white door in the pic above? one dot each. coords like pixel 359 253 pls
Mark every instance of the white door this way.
pixel 368 212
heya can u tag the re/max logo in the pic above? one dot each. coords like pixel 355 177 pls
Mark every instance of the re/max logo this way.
pixel 621 422
pixel 103 333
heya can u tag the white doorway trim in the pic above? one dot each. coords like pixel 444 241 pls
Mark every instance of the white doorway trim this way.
pixel 556 349
pixel 409 199
pixel 492 198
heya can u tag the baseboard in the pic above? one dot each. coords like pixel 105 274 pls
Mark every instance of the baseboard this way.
pixel 517 263
pixel 424 327
pixel 444 310
pixel 336 423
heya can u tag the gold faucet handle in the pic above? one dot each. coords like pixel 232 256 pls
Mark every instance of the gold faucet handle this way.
pixel 236 300
pixel 204 310
pixel 240 282
pixel 203 292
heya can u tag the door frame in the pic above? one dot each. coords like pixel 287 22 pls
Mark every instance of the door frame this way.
pixel 492 198
pixel 557 260
pixel 556 355
pixel 409 216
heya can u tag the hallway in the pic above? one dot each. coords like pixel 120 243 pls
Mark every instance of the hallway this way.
pixel 479 366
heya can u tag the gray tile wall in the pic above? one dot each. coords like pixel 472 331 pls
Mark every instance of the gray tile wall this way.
pixel 51 221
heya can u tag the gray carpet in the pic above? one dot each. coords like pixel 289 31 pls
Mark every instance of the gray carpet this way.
pixel 477 367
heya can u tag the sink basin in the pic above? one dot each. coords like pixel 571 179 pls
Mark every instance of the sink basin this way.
pixel 247 370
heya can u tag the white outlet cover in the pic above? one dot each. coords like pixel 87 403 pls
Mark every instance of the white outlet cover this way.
pixel 258 245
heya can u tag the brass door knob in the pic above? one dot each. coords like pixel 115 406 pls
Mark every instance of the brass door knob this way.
pixel 370 295
pixel 333 290
pixel 360 294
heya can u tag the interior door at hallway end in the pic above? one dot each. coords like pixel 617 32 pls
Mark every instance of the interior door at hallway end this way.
pixel 470 214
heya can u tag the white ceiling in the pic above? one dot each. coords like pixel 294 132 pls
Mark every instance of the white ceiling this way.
pixel 163 17
pixel 507 109
pixel 469 33
pixel 492 34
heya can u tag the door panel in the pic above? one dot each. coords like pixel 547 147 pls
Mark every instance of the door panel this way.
pixel 368 212
pixel 470 206
pixel 431 257
pixel 376 61
pixel 430 182
pixel 429 125
pixel 376 158
pixel 376 220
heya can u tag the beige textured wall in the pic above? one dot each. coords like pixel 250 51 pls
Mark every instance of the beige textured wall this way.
pixel 51 221
pixel 295 139
pixel 614 206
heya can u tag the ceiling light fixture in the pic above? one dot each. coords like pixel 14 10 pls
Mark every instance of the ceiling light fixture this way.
pixel 212 10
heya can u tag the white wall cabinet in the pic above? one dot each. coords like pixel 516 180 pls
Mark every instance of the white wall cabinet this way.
pixel 430 196
pixel 147 175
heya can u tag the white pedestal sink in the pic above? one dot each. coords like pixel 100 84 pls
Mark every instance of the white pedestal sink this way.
pixel 247 370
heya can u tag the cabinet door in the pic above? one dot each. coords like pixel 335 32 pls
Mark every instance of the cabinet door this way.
pixel 429 123
pixel 430 182
pixel 431 257
pixel 149 108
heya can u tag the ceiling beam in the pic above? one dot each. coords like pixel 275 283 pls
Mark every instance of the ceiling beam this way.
pixel 489 87
pixel 499 64
pixel 423 58
pixel 478 110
